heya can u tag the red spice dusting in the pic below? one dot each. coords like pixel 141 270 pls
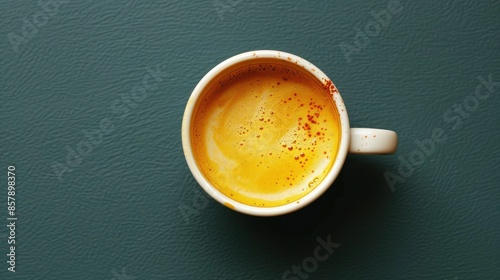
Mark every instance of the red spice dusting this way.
pixel 330 87
pixel 311 119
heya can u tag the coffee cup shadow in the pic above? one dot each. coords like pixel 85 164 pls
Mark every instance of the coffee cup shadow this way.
pixel 359 190
pixel 359 187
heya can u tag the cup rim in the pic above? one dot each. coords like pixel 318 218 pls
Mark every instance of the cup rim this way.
pixel 274 210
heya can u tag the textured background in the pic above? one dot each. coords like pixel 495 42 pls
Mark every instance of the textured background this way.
pixel 128 207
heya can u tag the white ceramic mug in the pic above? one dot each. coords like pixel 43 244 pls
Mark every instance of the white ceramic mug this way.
pixel 353 140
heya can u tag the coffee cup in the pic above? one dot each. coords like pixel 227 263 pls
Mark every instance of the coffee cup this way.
pixel 266 132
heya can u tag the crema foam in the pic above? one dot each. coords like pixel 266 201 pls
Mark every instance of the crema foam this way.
pixel 266 134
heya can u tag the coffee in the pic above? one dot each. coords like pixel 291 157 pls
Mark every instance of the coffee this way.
pixel 265 134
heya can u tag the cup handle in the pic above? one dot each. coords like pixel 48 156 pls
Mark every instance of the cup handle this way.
pixel 373 141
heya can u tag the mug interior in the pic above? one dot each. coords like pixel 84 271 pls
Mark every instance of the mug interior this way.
pixel 243 61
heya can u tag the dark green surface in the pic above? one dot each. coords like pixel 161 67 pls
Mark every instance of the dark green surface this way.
pixel 131 209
